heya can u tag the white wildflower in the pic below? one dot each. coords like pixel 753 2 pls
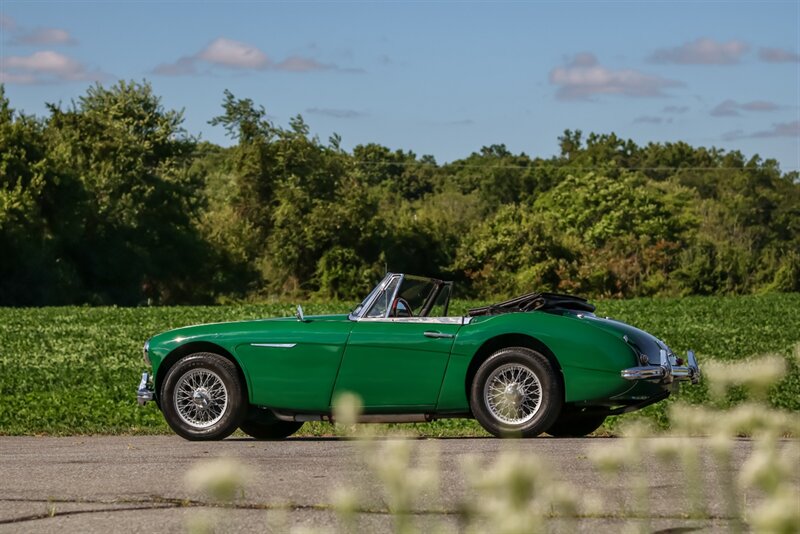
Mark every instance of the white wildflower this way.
pixel 691 420
pixel 201 522
pixel 779 514
pixel 756 375
pixel 223 478
pixel 346 409
pixel 345 501
pixel 770 468
pixel 667 448
pixel 517 494
pixel 608 458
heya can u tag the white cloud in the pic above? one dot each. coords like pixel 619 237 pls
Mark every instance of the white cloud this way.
pixel 584 59
pixel 779 129
pixel 337 113
pixel 45 67
pixel 45 62
pixel 234 54
pixel 44 36
pixel 584 76
pixel 18 78
pixel 760 105
pixel 733 135
pixel 223 52
pixel 182 67
pixel 702 52
pixel 675 110
pixel 731 108
pixel 778 55
pixel 649 119
pixel 301 64
pixel 726 108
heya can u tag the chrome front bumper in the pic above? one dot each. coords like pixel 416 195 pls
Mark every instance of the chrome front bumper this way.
pixel 144 394
pixel 665 372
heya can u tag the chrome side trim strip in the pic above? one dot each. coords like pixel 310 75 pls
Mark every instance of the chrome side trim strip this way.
pixel 274 345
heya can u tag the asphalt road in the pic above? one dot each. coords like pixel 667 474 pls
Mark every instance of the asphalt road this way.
pixel 137 484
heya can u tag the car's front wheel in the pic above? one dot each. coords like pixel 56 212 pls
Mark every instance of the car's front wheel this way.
pixel 202 397
pixel 262 424
pixel 516 393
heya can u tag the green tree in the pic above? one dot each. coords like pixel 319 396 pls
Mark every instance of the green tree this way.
pixel 110 200
pixel 131 156
pixel 498 176
pixel 35 215
pixel 517 250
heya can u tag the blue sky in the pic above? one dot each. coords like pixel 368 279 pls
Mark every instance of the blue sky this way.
pixel 441 78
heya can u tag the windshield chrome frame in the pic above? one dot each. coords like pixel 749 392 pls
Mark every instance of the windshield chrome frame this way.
pixel 381 287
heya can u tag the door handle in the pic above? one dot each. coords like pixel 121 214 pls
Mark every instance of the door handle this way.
pixel 432 334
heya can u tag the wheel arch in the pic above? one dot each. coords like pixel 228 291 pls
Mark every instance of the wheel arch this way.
pixel 492 345
pixel 199 346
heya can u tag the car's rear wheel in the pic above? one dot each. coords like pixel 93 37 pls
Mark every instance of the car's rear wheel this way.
pixel 572 424
pixel 516 393
pixel 202 397
pixel 262 424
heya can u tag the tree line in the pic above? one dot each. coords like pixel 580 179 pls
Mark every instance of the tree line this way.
pixel 109 200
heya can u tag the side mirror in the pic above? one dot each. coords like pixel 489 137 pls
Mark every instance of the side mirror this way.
pixel 299 314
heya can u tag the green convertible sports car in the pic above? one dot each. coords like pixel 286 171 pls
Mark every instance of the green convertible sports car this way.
pixel 538 363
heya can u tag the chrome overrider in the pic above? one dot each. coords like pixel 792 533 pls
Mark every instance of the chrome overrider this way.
pixel 144 394
pixel 665 372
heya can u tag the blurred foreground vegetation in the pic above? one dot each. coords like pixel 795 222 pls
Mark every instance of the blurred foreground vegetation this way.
pixel 108 200
pixel 651 481
pixel 74 370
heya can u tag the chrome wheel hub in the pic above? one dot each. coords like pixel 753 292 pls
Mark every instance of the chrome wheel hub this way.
pixel 200 398
pixel 513 394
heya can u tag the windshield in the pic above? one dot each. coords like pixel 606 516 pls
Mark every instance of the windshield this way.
pixel 399 295
pixel 413 296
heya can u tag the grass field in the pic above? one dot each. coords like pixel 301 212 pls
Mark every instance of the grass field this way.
pixel 73 370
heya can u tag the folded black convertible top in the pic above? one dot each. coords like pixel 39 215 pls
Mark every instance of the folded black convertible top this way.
pixel 535 301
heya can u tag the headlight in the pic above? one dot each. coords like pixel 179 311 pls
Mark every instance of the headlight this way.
pixel 642 357
pixel 146 352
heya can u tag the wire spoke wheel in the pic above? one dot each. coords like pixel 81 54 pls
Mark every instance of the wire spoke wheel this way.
pixel 513 394
pixel 200 398
pixel 203 397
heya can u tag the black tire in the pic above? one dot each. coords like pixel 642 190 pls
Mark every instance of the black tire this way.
pixel 183 409
pixel 571 424
pixel 532 420
pixel 262 424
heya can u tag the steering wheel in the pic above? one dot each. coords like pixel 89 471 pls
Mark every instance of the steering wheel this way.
pixel 406 312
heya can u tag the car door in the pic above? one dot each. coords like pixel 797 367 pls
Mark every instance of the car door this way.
pixel 293 364
pixel 397 363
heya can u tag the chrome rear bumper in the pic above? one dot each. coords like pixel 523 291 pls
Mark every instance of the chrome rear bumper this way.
pixel 144 394
pixel 665 372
